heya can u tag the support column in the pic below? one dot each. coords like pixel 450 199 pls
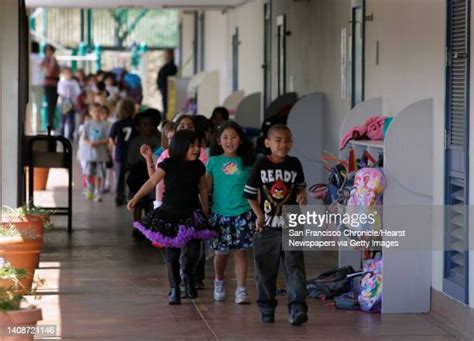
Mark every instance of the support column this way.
pixel 9 19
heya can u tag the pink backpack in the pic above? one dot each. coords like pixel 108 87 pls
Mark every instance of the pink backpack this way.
pixel 368 188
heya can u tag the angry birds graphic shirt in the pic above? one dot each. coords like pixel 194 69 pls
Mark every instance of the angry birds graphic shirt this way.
pixel 279 185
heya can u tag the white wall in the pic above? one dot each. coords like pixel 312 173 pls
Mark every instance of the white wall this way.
pixel 9 100
pixel 313 56
pixel 411 67
pixel 219 27
pixel 411 36
pixel 217 40
pixel 187 20
pixel 249 19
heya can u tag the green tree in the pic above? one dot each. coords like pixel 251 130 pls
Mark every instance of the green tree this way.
pixel 122 27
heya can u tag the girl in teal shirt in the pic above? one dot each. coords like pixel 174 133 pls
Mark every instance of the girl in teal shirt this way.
pixel 228 168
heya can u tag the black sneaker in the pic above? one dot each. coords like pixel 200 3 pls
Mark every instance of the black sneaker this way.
pixel 267 317
pixel 174 296
pixel 297 319
pixel 119 201
pixel 191 291
pixel 135 234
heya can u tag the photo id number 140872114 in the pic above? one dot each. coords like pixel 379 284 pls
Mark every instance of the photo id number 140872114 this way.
pixel 39 331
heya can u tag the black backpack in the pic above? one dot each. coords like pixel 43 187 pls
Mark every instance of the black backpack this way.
pixel 330 284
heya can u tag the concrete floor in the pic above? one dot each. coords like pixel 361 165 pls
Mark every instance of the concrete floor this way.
pixel 101 285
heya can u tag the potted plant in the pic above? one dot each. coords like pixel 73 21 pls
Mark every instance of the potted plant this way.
pixel 14 319
pixel 40 178
pixel 27 217
pixel 21 248
pixel 32 213
pixel 9 275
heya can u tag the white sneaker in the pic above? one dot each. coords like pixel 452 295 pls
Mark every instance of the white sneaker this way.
pixel 97 197
pixel 219 290
pixel 241 296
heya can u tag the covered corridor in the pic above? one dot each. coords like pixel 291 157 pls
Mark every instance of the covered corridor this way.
pixel 102 284
pixel 324 67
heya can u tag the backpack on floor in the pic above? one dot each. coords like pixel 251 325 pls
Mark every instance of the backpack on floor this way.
pixel 370 296
pixel 347 301
pixel 330 283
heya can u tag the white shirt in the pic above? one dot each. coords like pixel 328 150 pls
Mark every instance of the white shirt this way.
pixel 69 88
pixel 37 75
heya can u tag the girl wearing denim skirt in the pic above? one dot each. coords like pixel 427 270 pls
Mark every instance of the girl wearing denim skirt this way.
pixel 228 169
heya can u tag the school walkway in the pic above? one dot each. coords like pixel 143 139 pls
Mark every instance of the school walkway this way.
pixel 102 285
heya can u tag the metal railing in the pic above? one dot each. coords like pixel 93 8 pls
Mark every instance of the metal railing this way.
pixel 111 28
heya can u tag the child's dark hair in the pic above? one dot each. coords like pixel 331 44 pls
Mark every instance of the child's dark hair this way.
pixel 278 127
pixel 245 150
pixel 182 117
pixel 100 86
pixel 110 75
pixel 180 143
pixel 220 110
pixel 203 125
pixel 151 113
pixel 201 122
pixel 125 108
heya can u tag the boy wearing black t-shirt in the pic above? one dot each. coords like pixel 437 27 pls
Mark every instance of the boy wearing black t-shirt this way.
pixel 280 180
pixel 121 133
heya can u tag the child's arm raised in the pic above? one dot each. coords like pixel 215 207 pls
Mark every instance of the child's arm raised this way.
pixel 204 195
pixel 146 152
pixel 260 222
pixel 146 188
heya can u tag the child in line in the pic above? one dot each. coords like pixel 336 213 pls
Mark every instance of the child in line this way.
pixel 277 180
pixel 81 154
pixel 180 221
pixel 220 115
pixel 120 136
pixel 109 173
pixel 68 90
pixel 228 169
pixel 185 122
pixel 166 135
pixel 205 128
pixel 95 152
pixel 146 124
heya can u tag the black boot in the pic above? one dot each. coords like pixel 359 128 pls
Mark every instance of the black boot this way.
pixel 191 291
pixel 174 294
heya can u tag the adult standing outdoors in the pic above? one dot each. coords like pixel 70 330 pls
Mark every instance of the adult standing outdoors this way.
pixel 167 70
pixel 51 72
pixel 37 90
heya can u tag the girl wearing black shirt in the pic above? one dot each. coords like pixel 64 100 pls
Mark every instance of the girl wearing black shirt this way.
pixel 181 220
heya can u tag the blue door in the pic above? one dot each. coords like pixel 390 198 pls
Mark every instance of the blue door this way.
pixel 456 276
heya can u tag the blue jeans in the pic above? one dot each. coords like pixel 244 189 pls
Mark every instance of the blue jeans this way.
pixel 267 254
pixel 68 119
